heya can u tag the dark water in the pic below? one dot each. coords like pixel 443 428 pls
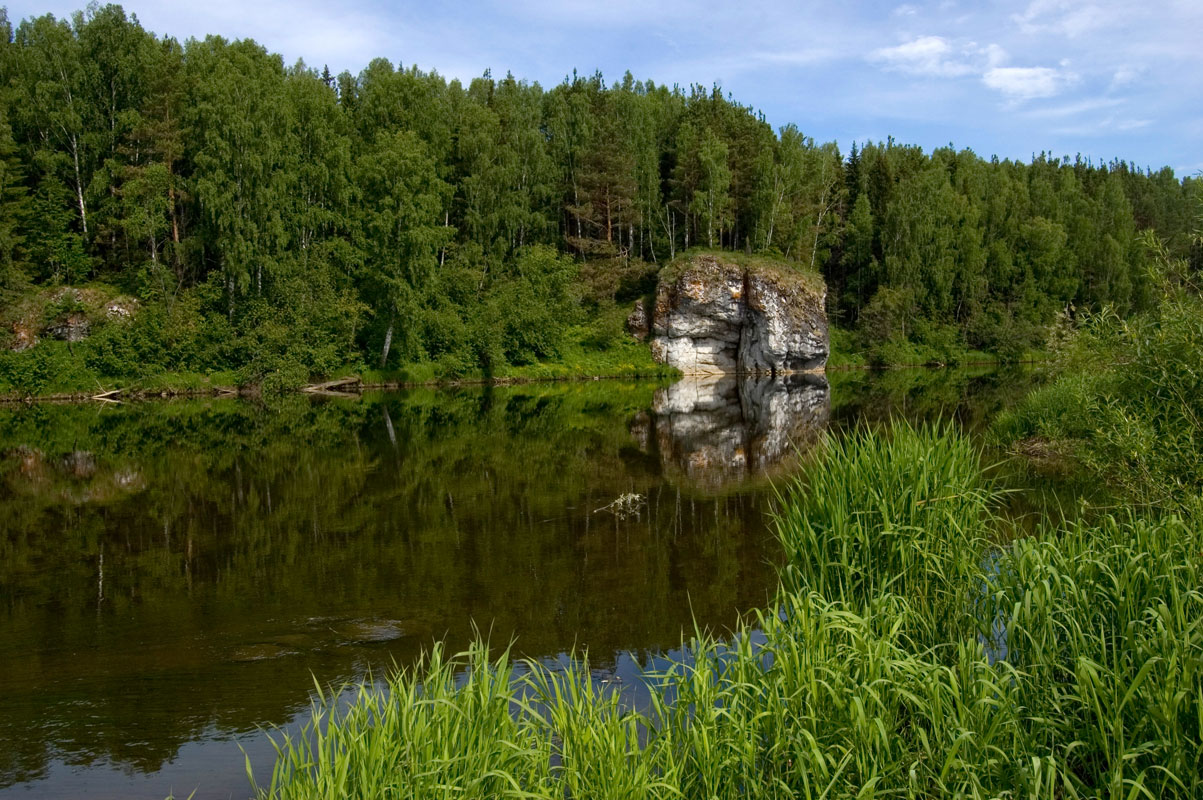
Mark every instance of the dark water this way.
pixel 174 576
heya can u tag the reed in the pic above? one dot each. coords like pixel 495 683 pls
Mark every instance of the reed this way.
pixel 1105 625
pixel 900 512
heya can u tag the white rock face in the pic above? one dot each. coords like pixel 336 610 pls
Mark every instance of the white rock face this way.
pixel 718 318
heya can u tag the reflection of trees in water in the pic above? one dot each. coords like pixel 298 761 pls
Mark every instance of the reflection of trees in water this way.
pixel 263 543
pixel 972 396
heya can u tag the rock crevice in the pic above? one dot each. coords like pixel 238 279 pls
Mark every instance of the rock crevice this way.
pixel 711 316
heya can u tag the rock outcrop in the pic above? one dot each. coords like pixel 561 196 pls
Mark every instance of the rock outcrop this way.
pixel 65 313
pixel 712 315
pixel 74 327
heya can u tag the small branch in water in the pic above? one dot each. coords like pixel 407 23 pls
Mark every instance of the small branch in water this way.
pixel 625 505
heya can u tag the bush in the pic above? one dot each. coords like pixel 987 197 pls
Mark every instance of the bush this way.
pixel 1129 402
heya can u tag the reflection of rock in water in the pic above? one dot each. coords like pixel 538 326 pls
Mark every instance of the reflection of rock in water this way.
pixel 77 478
pixel 719 430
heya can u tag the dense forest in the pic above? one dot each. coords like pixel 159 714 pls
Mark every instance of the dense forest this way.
pixel 212 209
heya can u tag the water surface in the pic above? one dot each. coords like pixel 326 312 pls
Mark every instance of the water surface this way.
pixel 175 575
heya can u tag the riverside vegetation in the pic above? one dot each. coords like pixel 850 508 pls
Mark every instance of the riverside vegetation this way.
pixel 914 649
pixel 185 214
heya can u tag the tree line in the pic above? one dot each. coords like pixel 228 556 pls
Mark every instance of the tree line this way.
pixel 282 220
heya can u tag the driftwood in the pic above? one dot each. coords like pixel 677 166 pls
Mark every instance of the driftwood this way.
pixel 331 386
pixel 626 505
pixel 330 393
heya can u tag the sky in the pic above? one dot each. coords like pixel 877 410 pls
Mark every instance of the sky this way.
pixel 1102 78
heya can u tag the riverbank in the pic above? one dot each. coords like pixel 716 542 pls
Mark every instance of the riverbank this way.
pixel 919 645
pixel 632 362
pixel 75 383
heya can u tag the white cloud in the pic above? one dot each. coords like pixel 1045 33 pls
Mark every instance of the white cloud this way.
pixel 1066 17
pixel 995 55
pixel 905 10
pixel 1133 124
pixel 1025 83
pixel 1073 109
pixel 1103 127
pixel 1125 75
pixel 927 55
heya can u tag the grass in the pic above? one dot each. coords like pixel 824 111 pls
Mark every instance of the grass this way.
pixel 904 657
pixel 900 513
pixel 805 277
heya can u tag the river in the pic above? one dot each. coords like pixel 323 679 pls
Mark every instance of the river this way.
pixel 174 576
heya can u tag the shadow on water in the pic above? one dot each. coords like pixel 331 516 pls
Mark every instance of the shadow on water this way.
pixel 173 576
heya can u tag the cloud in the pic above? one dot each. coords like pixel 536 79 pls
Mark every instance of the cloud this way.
pixel 1103 127
pixel 905 10
pixel 927 55
pixel 1065 17
pixel 1125 75
pixel 1073 109
pixel 1025 83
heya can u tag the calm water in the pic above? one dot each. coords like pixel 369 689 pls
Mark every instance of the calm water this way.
pixel 175 575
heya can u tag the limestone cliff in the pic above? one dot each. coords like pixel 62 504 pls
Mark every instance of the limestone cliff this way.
pixel 713 314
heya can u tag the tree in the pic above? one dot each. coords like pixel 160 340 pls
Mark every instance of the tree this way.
pixel 711 201
pixel 12 206
pixel 402 199
pixel 238 131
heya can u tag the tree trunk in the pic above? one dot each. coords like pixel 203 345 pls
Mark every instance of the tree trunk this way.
pixel 388 341
pixel 79 186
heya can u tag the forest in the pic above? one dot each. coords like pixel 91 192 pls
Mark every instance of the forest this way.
pixel 199 208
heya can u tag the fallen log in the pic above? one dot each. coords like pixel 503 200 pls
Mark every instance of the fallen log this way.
pixel 338 383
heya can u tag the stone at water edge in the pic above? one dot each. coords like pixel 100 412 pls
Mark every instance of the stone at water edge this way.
pixel 718 317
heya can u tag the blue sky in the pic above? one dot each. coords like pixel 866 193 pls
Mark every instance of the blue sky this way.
pixel 1104 78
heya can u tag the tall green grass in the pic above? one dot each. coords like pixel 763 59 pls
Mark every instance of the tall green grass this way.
pixel 903 658
pixel 902 513
pixel 446 727
pixel 1105 626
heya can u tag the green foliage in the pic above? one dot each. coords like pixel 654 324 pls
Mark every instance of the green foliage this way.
pixel 1128 405
pixel 50 368
pixel 903 515
pixel 385 220
pixel 1102 622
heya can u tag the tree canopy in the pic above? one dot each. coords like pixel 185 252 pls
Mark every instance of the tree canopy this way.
pixel 278 219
